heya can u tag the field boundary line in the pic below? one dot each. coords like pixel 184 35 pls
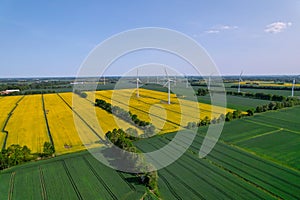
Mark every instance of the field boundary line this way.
pixel 83 120
pixel 11 185
pixel 100 179
pixel 260 123
pixel 42 181
pixel 46 120
pixel 71 179
pixel 259 135
pixel 6 122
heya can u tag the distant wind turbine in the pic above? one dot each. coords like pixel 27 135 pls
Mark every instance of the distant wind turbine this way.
pixel 169 86
pixel 137 83
pixel 293 87
pixel 240 79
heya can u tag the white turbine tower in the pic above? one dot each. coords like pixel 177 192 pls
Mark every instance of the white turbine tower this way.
pixel 103 80
pixel 186 81
pixel 137 83
pixel 240 79
pixel 169 86
pixel 209 81
pixel 293 87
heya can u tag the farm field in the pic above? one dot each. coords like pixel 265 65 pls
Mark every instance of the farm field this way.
pixel 74 176
pixel 6 106
pixel 62 127
pixel 27 124
pixel 106 120
pixel 259 162
pixel 233 102
pixel 285 93
pixel 151 107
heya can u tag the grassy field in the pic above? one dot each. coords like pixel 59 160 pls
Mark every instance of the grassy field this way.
pixel 27 125
pixel 74 176
pixel 222 173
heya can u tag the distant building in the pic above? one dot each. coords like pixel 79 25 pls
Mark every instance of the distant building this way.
pixel 9 91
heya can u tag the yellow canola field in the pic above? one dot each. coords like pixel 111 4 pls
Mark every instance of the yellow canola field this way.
pixel 269 83
pixel 142 111
pixel 62 127
pixel 152 107
pixel 27 125
pixel 6 105
pixel 103 122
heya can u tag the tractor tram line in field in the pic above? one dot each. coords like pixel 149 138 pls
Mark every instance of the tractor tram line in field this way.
pixel 42 182
pixel 113 196
pixel 11 185
pixel 195 170
pixel 141 110
pixel 147 103
pixel 83 120
pixel 222 154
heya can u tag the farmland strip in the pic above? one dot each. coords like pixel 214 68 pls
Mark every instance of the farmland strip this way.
pixel 46 120
pixel 11 185
pixel 250 175
pixel 143 111
pixel 126 181
pixel 42 181
pixel 6 121
pixel 201 177
pixel 171 189
pixel 100 179
pixel 87 124
pixel 71 180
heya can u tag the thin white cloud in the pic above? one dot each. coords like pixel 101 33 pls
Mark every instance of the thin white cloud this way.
pixel 212 31
pixel 277 27
pixel 219 28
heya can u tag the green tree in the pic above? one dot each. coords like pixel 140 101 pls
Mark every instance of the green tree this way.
pixel 48 149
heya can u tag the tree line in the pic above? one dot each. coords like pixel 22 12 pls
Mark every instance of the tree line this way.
pixel 132 157
pixel 266 87
pixel 147 127
pixel 16 155
pixel 258 95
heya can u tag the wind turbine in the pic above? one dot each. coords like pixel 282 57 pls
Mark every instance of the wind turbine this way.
pixel 137 83
pixel 293 87
pixel 209 81
pixel 169 86
pixel 186 81
pixel 240 79
pixel 103 80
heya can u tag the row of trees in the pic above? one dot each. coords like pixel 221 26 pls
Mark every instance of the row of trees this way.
pixel 149 129
pixel 259 95
pixel 16 155
pixel 266 87
pixel 123 140
pixel 289 102
pixel 237 114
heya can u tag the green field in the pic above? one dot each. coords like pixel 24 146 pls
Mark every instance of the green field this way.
pixel 74 176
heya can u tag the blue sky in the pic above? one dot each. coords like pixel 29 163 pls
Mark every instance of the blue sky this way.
pixel 52 38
